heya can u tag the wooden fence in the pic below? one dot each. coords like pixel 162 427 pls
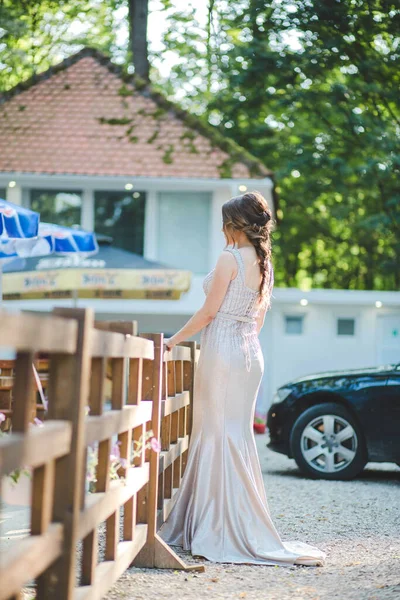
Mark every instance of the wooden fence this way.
pixel 80 542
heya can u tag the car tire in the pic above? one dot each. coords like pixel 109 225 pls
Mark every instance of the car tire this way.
pixel 341 454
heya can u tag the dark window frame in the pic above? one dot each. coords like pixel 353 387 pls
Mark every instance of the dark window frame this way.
pixel 348 320
pixel 48 216
pixel 293 317
pixel 128 229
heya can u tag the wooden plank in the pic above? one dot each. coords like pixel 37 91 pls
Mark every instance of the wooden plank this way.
pixel 174 426
pixel 176 472
pixel 135 382
pixel 164 381
pixel 147 380
pixel 189 370
pixel 171 387
pixel 112 536
pixel 108 572
pixel 125 327
pixel 147 556
pixel 174 403
pixel 89 557
pixel 103 466
pixel 99 506
pixel 6 364
pixel 184 462
pixel 167 457
pixel 182 422
pixel 23 392
pixel 119 381
pixel 68 398
pixel 180 352
pixel 179 376
pixel 166 432
pixel 97 386
pixel 35 447
pixel 168 481
pixel 21 332
pixel 28 558
pixel 116 345
pixel 129 522
pixel 167 507
pixel 142 505
pixel 42 498
pixel 99 428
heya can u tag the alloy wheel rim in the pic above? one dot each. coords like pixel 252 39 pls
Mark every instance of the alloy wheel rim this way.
pixel 329 443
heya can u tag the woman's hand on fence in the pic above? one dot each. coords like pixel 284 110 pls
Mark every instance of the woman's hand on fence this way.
pixel 169 343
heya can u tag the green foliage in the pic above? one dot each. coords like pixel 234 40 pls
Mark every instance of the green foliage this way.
pixel 168 155
pixel 36 35
pixel 115 121
pixel 311 88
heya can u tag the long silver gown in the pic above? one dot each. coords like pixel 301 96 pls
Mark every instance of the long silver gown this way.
pixel 220 511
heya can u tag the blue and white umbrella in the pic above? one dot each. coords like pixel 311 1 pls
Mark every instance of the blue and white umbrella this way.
pixel 68 240
pixel 17 222
pixel 23 236
pixel 51 239
pixel 19 227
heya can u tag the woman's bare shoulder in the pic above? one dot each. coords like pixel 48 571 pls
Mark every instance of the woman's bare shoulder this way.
pixel 226 262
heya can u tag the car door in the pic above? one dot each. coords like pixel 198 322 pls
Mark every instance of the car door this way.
pixel 369 395
pixel 391 411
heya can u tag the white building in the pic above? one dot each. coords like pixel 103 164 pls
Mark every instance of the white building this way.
pixel 81 144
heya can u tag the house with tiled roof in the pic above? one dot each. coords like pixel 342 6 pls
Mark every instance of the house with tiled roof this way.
pixel 84 144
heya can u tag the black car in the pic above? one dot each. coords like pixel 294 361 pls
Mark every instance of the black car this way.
pixel 333 423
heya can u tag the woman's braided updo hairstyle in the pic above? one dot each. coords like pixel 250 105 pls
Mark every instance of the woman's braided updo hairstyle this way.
pixel 251 214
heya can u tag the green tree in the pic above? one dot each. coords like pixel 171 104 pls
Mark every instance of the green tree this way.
pixel 35 35
pixel 311 88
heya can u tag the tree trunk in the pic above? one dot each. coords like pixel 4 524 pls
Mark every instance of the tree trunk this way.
pixel 138 14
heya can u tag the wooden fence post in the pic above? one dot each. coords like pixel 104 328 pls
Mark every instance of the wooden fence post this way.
pixel 68 402
pixel 156 553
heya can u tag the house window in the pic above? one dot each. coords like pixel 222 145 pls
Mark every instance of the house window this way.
pixel 294 325
pixel 3 193
pixel 120 215
pixel 183 230
pixel 345 326
pixel 60 207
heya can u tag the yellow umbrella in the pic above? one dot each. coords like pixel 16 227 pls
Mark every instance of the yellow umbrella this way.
pixel 112 273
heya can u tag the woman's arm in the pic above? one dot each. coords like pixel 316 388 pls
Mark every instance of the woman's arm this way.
pixel 225 271
pixel 261 319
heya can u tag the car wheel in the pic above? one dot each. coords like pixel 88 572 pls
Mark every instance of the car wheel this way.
pixel 327 443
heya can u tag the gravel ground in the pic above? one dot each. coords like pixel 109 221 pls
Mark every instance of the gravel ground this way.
pixel 356 523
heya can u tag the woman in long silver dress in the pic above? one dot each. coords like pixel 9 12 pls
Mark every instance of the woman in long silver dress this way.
pixel 220 511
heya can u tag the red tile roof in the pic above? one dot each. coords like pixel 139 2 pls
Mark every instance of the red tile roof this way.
pixel 84 117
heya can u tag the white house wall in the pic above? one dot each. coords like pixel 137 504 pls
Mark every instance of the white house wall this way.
pixel 221 190
pixel 318 348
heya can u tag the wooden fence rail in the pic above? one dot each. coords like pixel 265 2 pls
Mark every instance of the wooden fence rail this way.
pixel 115 525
